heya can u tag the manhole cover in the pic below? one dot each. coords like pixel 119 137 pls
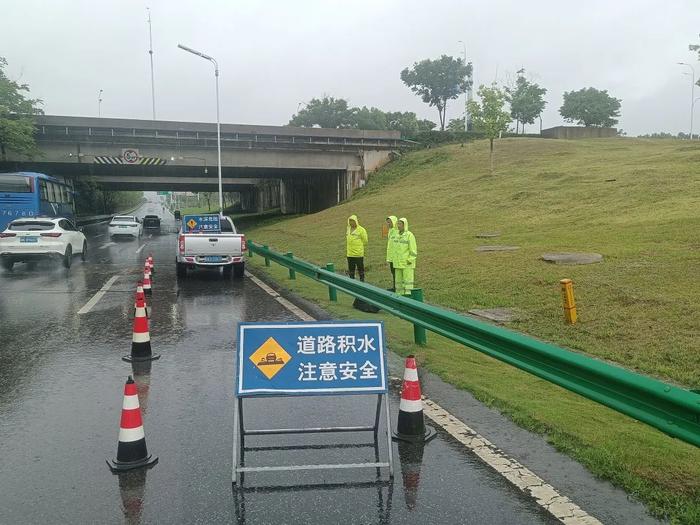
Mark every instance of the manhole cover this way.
pixel 572 258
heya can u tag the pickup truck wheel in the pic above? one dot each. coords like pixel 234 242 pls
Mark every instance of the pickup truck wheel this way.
pixel 181 270
pixel 239 270
pixel 227 272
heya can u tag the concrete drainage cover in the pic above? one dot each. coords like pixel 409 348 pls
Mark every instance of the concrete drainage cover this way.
pixel 496 248
pixel 499 315
pixel 572 258
pixel 487 235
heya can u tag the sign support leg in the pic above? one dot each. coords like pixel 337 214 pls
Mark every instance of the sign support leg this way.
pixel 390 449
pixel 234 468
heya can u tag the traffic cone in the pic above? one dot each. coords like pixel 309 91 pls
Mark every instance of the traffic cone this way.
pixel 411 427
pixel 131 450
pixel 150 263
pixel 142 296
pixel 147 281
pixel 411 458
pixel 141 338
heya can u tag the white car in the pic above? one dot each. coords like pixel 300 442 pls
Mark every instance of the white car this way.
pixel 31 239
pixel 125 225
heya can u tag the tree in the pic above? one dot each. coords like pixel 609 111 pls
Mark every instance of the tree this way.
pixel 407 123
pixel 364 118
pixel 526 101
pixel 590 107
pixel 326 112
pixel 490 116
pixel 456 125
pixel 437 81
pixel 16 116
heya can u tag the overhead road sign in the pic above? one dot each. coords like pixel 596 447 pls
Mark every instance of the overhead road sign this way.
pixel 201 223
pixel 310 359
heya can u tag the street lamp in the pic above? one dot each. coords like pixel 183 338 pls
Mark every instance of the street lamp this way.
pixel 692 95
pixel 466 103
pixel 99 104
pixel 218 123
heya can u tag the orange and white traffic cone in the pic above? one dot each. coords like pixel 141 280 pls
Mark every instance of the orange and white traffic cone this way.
pixel 131 450
pixel 150 263
pixel 142 296
pixel 141 338
pixel 411 426
pixel 147 281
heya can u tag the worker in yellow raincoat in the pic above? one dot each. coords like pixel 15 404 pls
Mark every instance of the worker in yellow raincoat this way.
pixel 392 232
pixel 405 252
pixel 355 242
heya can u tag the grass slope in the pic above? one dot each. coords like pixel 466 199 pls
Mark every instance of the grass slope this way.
pixel 636 308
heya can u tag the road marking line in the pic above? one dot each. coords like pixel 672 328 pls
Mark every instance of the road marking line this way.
pixel 301 314
pixel 107 245
pixel 95 298
pixel 546 496
pixel 140 248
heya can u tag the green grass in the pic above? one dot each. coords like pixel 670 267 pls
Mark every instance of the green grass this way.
pixel 637 308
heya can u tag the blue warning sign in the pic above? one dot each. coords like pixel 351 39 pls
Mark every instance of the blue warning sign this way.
pixel 311 358
pixel 201 223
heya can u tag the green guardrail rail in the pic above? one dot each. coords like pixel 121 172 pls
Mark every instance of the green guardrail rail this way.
pixel 669 408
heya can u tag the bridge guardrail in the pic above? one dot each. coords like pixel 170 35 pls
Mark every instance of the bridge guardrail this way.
pixel 669 408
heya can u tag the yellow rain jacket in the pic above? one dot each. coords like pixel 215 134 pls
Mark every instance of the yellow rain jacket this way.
pixel 355 240
pixel 405 248
pixel 391 238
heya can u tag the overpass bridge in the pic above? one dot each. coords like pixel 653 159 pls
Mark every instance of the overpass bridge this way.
pixel 301 170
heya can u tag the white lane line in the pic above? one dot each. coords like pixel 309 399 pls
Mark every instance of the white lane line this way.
pixel 95 298
pixel 140 248
pixel 100 235
pixel 107 245
pixel 301 314
pixel 559 506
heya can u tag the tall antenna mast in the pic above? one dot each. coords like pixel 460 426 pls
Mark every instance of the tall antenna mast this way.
pixel 150 52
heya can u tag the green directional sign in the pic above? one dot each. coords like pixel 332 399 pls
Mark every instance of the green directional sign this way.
pixel 164 193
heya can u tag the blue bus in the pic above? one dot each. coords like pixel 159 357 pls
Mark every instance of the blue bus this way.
pixel 30 194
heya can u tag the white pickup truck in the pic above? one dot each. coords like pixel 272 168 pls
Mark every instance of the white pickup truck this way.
pixel 215 250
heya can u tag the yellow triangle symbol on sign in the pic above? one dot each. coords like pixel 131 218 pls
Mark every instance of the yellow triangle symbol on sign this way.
pixel 270 358
pixel 191 223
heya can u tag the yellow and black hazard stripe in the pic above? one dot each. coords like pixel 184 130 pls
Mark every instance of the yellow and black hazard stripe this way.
pixel 143 161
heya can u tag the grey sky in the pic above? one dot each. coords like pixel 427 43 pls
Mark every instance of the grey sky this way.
pixel 275 54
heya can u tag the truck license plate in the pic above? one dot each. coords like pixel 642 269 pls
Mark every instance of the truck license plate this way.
pixel 212 258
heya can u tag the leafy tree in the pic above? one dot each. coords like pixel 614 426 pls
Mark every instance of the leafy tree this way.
pixel 16 116
pixel 437 81
pixel 590 107
pixel 364 118
pixel 526 101
pixel 456 124
pixel 490 116
pixel 407 123
pixel 326 112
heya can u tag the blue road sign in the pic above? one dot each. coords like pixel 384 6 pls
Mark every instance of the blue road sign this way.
pixel 201 223
pixel 311 358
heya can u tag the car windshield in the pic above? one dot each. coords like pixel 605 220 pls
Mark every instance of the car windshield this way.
pixel 28 226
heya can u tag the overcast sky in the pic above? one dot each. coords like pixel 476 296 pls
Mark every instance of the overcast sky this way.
pixel 275 54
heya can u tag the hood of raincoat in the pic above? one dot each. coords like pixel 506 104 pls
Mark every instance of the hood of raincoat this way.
pixel 405 224
pixel 393 220
pixel 354 218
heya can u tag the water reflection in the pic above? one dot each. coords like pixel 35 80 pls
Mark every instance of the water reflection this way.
pixel 411 459
pixel 132 489
pixel 142 378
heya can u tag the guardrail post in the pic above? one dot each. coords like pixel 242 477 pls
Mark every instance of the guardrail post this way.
pixel 292 273
pixel 332 292
pixel 267 259
pixel 250 251
pixel 419 335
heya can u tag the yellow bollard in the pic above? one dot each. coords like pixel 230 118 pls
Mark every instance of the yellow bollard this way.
pixel 567 292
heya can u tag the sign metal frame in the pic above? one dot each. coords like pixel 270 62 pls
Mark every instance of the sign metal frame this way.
pixel 240 432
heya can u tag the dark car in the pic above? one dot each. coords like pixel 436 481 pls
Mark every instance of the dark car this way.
pixel 176 213
pixel 151 222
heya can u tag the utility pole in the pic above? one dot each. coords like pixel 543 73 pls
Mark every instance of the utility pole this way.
pixel 468 92
pixel 150 52
pixel 99 104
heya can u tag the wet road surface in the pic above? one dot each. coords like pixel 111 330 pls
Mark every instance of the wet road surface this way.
pixel 61 385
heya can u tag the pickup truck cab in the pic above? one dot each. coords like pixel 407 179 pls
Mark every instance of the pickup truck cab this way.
pixel 213 250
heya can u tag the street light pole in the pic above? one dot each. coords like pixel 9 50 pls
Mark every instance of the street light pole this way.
pixel 150 52
pixel 466 97
pixel 99 104
pixel 692 95
pixel 218 123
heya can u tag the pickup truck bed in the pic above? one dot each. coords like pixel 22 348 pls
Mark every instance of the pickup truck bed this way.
pixel 212 250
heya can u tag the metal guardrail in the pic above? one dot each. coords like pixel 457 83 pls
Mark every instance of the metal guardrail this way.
pixel 669 408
